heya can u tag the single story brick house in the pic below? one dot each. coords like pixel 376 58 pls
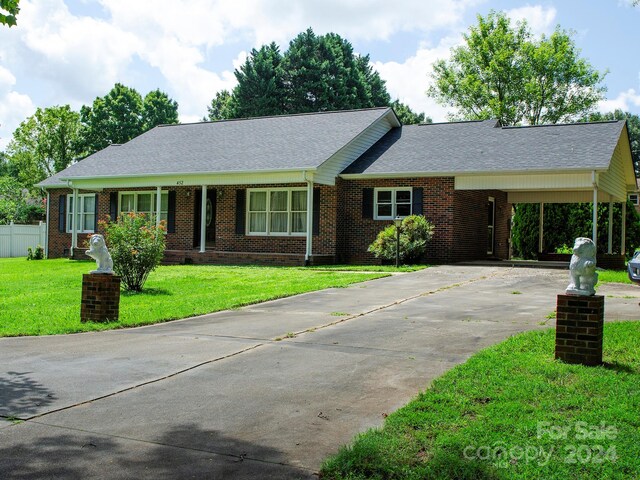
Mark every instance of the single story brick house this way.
pixel 317 188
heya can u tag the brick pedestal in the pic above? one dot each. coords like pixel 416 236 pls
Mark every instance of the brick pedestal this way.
pixel 100 298
pixel 579 325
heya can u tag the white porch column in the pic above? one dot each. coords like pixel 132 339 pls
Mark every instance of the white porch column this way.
pixel 541 229
pixel 46 231
pixel 203 220
pixel 158 205
pixel 74 224
pixel 309 250
pixel 623 233
pixel 610 239
pixel 594 228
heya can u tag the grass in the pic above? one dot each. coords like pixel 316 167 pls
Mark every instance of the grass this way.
pixel 513 412
pixel 613 276
pixel 369 268
pixel 43 297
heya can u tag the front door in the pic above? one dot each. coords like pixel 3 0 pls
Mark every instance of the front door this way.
pixel 210 219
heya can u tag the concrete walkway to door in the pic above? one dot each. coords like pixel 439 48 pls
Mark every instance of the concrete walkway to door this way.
pixel 266 391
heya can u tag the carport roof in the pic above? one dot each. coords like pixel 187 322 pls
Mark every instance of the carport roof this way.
pixel 485 147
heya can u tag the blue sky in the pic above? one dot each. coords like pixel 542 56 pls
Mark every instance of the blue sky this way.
pixel 70 51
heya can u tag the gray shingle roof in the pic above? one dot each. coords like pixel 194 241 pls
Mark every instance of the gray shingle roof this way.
pixel 288 142
pixel 474 147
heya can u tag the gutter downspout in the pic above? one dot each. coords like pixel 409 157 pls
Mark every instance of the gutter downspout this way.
pixel 309 243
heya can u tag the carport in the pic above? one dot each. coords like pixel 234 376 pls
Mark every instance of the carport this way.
pixel 574 163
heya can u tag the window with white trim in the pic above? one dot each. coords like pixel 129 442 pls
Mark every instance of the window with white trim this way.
pixel 276 211
pixel 634 198
pixel 85 213
pixel 144 202
pixel 390 203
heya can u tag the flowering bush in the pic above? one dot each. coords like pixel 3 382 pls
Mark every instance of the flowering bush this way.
pixel 415 233
pixel 136 246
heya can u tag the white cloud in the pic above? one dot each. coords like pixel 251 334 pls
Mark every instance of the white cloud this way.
pixel 625 101
pixel 61 57
pixel 541 20
pixel 174 39
pixel 14 107
pixel 80 56
pixel 409 81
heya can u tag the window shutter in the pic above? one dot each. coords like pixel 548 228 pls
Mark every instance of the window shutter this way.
pixel 416 207
pixel 95 214
pixel 316 211
pixel 240 210
pixel 62 213
pixel 113 206
pixel 171 213
pixel 367 203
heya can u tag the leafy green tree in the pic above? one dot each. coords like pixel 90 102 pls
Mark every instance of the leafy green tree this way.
pixel 323 73
pixel 158 109
pixel 8 11
pixel 122 114
pixel 316 73
pixel 115 118
pixel 260 90
pixel 408 116
pixel 559 86
pixel 563 223
pixel 17 205
pixel 43 144
pixel 220 108
pixel 503 72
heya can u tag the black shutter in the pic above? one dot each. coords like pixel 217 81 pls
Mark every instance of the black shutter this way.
pixel 416 207
pixel 240 211
pixel 367 203
pixel 316 211
pixel 62 213
pixel 95 214
pixel 171 213
pixel 197 216
pixel 113 206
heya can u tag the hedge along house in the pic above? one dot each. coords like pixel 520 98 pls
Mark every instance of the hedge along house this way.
pixel 317 188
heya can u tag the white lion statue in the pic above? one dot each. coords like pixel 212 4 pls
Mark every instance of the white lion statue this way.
pixel 98 250
pixel 582 268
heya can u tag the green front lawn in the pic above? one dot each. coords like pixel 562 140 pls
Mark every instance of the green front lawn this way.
pixel 613 276
pixel 513 412
pixel 43 297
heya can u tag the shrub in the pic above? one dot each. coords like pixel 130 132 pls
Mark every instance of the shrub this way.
pixel 415 233
pixel 136 246
pixel 37 254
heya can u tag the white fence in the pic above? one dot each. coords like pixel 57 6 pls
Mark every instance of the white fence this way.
pixel 15 239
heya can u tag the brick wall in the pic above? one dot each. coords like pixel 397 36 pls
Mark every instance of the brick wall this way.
pixel 579 329
pixel 470 225
pixel 226 237
pixel 459 217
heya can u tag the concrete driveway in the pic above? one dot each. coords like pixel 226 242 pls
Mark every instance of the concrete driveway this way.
pixel 266 391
